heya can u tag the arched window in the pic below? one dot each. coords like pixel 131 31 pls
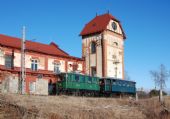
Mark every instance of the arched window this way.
pixel 93 47
pixel 115 44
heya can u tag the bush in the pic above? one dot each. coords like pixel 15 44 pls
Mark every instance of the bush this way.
pixel 154 92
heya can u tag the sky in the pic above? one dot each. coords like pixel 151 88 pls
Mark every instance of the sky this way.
pixel 145 22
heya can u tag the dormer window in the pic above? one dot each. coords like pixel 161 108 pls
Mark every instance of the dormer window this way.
pixel 34 64
pixel 93 47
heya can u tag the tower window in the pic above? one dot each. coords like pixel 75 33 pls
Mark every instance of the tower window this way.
pixel 34 64
pixel 115 44
pixel 93 47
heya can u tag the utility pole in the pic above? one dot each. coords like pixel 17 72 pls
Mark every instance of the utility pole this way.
pixel 22 76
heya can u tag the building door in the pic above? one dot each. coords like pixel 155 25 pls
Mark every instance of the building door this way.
pixel 93 71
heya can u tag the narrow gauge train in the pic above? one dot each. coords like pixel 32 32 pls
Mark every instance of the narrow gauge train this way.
pixel 78 84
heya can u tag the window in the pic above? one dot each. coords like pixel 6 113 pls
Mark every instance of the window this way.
pixel 82 78
pixel 34 64
pixel 8 61
pixel 93 47
pixel 1 53
pixel 76 78
pixel 75 67
pixel 115 44
pixel 57 67
pixel 93 71
pixel 108 82
pixel 89 79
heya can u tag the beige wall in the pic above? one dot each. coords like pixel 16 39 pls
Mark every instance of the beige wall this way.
pixel 114 53
pixel 92 60
pixel 41 60
pixel 2 61
pixel 17 59
pixel 118 30
pixel 110 51
pixel 51 64
pixel 99 60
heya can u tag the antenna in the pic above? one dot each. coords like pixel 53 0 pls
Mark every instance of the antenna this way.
pixel 108 11
pixel 96 14
pixel 22 78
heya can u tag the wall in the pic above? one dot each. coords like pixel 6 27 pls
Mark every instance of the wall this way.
pixel 109 49
pixel 118 30
pixel 41 87
pixel 114 53
pixel 10 84
pixel 45 62
pixel 92 60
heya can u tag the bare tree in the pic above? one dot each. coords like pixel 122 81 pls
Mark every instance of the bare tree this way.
pixel 160 77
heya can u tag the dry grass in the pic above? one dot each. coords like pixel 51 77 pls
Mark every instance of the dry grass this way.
pixel 68 107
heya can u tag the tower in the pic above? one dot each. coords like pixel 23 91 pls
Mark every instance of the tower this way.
pixel 103 47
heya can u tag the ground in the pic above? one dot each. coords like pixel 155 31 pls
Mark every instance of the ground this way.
pixel 15 106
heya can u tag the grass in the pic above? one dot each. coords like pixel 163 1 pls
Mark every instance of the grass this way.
pixel 69 107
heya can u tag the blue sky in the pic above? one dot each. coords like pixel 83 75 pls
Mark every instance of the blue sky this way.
pixel 145 22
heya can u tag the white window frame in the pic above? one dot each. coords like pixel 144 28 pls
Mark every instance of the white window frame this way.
pixel 57 67
pixel 34 62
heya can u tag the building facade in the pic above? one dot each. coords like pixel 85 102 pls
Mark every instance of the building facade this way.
pixel 102 56
pixel 103 47
pixel 41 61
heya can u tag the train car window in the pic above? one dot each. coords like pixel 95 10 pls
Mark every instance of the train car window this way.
pixel 83 79
pixel 130 84
pixel 119 83
pixel 67 76
pixel 76 78
pixel 108 82
pixel 89 80
pixel 72 77
pixel 124 83
pixel 86 79
pixel 97 80
pixel 94 80
pixel 113 82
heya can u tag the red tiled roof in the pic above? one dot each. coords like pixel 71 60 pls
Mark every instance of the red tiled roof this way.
pixel 51 49
pixel 99 24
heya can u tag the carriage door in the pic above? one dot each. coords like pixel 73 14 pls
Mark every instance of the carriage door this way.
pixel 108 85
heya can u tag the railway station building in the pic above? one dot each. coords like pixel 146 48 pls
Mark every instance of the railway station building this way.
pixel 102 56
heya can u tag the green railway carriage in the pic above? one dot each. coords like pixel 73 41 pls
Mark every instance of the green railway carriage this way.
pixel 77 83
